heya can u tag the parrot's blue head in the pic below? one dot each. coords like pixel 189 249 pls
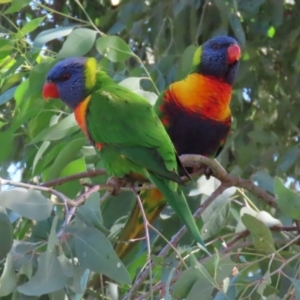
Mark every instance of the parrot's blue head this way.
pixel 218 57
pixel 70 80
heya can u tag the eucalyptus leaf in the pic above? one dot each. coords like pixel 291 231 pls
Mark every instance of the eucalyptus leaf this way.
pixel 84 40
pixel 32 25
pixel 68 153
pixel 8 279
pixel 16 5
pixel 113 48
pixel 287 200
pixel 28 203
pixel 95 252
pixel 261 234
pixel 58 131
pixel 48 35
pixel 48 278
pixel 7 95
pixel 6 234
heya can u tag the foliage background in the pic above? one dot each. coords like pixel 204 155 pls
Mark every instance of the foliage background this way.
pixel 158 40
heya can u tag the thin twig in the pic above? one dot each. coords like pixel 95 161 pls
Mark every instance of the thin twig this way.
pixel 89 19
pixel 139 201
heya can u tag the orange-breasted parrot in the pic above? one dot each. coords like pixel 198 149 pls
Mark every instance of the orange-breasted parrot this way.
pixel 122 126
pixel 196 114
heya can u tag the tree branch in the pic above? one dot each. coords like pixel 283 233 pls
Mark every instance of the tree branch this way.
pixel 86 174
pixel 224 177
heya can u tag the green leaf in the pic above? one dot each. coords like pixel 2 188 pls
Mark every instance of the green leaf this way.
pixel 12 80
pixel 84 40
pixel 8 280
pixel 28 203
pixel 48 278
pixel 237 27
pixel 288 159
pixel 21 91
pixel 40 153
pixel 51 34
pixel 71 188
pixel 5 1
pixel 22 247
pixel 296 284
pixel 185 282
pixel 7 95
pixel 178 6
pixel 78 281
pixel 90 213
pixel 200 287
pixel 6 233
pixel 113 48
pixel 192 281
pixel 216 214
pixel 264 137
pixel 58 295
pixel 271 32
pixel 7 138
pixel 58 131
pixel 68 153
pixel 36 81
pixel 287 200
pixel 16 6
pixel 264 180
pixel 251 7
pixel 95 252
pixel 54 119
pixel 31 25
pixel 53 239
pixel 133 84
pixel 6 60
pixel 185 63
pixel 261 234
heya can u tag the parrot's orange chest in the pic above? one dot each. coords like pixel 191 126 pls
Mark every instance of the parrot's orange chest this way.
pixel 80 115
pixel 201 94
pixel 196 114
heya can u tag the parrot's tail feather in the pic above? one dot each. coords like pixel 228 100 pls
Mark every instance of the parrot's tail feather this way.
pixel 177 201
pixel 153 203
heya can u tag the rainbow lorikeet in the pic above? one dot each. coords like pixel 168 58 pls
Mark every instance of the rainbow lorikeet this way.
pixel 196 114
pixel 122 126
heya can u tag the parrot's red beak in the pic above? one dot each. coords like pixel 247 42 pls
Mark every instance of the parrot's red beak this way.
pixel 233 53
pixel 50 91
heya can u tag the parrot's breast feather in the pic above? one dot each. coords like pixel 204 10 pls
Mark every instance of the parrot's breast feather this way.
pixel 208 96
pixel 80 116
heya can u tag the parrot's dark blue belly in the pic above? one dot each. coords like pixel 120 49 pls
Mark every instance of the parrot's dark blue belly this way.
pixel 192 133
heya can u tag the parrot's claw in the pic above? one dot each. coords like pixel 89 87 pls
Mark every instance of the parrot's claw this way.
pixel 116 183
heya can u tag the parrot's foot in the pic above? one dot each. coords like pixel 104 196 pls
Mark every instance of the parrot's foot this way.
pixel 116 183
pixel 208 172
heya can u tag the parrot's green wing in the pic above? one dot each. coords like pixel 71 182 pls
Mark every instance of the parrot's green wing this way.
pixel 127 122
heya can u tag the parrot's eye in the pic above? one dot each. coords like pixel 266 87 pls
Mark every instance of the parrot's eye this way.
pixel 65 76
pixel 216 46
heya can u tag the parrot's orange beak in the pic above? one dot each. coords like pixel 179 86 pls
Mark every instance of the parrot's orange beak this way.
pixel 233 53
pixel 50 91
